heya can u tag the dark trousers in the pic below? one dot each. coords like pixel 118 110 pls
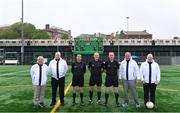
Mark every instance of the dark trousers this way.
pixel 149 92
pixel 54 84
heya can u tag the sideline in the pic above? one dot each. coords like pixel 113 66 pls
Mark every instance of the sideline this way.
pixel 58 103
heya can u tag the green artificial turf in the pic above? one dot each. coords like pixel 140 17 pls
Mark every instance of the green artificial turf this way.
pixel 16 93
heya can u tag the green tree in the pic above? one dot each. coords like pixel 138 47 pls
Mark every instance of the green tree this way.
pixel 30 32
pixel 40 34
pixel 28 29
pixel 65 36
pixel 8 34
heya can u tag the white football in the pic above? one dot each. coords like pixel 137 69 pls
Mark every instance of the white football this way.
pixel 149 105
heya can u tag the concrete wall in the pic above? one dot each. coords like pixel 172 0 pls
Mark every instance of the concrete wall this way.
pixel 168 60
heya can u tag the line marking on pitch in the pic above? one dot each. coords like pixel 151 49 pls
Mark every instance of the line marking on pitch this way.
pixel 21 85
pixel 58 103
pixel 13 72
pixel 30 85
pixel 163 89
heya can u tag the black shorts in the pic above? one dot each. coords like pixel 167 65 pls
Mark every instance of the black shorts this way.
pixel 95 80
pixel 111 81
pixel 78 81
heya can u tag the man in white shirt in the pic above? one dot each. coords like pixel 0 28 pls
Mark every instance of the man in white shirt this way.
pixel 150 77
pixel 58 68
pixel 129 73
pixel 39 73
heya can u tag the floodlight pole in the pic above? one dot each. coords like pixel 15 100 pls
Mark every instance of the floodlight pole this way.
pixel 118 46
pixel 57 49
pixel 127 23
pixel 22 33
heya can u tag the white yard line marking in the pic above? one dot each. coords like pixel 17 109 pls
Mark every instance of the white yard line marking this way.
pixel 164 89
pixel 58 103
pixel 13 73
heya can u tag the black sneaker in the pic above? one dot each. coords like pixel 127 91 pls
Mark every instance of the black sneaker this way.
pixel 62 104
pixel 138 105
pixel 74 103
pixel 35 107
pixel 82 104
pixel 145 106
pixel 117 104
pixel 41 105
pixel 155 107
pixel 90 102
pixel 106 104
pixel 52 104
pixel 99 102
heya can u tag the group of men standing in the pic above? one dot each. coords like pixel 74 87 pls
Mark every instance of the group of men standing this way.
pixel 39 72
pixel 127 72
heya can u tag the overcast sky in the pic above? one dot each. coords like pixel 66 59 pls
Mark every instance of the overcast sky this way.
pixel 159 17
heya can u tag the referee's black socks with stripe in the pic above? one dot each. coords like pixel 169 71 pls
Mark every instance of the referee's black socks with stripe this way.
pixel 90 95
pixel 116 96
pixel 106 98
pixel 74 97
pixel 81 96
pixel 99 95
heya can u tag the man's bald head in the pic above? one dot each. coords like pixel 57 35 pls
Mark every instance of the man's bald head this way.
pixel 127 55
pixel 40 60
pixel 57 55
pixel 149 57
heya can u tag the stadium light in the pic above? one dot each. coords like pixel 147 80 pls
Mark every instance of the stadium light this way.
pixel 127 23
pixel 117 38
pixel 22 33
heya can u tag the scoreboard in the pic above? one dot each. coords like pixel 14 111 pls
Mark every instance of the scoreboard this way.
pixel 88 45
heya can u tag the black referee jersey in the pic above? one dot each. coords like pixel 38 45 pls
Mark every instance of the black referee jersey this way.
pixel 78 70
pixel 111 68
pixel 111 73
pixel 96 67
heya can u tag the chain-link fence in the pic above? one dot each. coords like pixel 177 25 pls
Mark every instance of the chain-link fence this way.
pixel 30 58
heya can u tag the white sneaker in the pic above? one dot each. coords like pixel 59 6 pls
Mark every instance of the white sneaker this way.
pixel 99 101
pixel 125 105
pixel 90 102
pixel 138 106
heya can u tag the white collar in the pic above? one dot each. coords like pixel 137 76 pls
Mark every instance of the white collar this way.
pixel 129 59
pixel 152 61
pixel 59 59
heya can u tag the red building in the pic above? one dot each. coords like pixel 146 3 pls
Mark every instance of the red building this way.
pixel 55 32
pixel 135 35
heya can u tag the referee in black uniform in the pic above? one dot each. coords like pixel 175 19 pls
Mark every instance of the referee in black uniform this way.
pixel 111 67
pixel 78 70
pixel 96 68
